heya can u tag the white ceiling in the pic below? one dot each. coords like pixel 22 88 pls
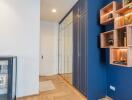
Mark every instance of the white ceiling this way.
pixel 62 7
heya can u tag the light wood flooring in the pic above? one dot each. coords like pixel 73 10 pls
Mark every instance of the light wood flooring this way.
pixel 67 77
pixel 63 91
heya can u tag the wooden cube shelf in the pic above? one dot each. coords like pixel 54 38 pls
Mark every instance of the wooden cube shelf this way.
pixel 121 37
pixel 121 53
pixel 123 16
pixel 121 56
pixel 118 40
pixel 107 39
pixel 107 14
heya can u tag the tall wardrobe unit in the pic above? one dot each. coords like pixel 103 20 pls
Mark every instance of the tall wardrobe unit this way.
pixel 80 46
pixel 73 47
pixel 66 48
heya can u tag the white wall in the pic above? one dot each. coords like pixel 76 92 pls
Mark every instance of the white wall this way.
pixel 19 36
pixel 49 48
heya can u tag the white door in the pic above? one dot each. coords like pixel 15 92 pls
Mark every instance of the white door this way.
pixel 49 50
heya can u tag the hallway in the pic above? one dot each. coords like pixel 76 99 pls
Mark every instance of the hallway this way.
pixel 63 91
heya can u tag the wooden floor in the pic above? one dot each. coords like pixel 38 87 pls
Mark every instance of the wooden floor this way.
pixel 63 91
pixel 67 77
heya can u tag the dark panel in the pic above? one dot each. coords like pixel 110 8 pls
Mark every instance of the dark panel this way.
pixel 82 6
pixel 75 46
pixel 83 53
pixel 79 60
pixel 10 80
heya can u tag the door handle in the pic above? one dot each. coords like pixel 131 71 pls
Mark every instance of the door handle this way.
pixel 42 57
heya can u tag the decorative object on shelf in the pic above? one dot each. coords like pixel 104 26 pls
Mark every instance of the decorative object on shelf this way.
pixel 121 37
pixel 120 62
pixel 110 42
pixel 107 17
pixel 107 39
pixel 110 16
pixel 130 6
pixel 126 2
pixel 122 57
pixel 120 21
pixel 128 18
pixel 124 16
pixel 125 41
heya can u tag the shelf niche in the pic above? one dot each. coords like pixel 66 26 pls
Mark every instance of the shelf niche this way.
pixel 107 14
pixel 107 39
pixel 121 56
pixel 121 37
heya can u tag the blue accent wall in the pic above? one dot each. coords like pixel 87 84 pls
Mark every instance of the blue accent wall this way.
pixel 102 75
pixel 121 78
pixel 97 80
pixel 117 76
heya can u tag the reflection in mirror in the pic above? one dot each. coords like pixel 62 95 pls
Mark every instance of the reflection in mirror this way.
pixel 66 48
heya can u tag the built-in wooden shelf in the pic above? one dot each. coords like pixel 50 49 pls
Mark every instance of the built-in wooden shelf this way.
pixel 121 37
pixel 107 14
pixel 121 53
pixel 118 56
pixel 107 39
pixel 124 16
pixel 121 56
pixel 118 40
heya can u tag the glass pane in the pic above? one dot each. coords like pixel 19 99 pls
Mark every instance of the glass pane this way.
pixel 68 53
pixel 61 50
pixel 3 80
pixel 69 48
pixel 66 48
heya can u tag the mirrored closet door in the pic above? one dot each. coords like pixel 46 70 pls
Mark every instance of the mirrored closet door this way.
pixel 66 48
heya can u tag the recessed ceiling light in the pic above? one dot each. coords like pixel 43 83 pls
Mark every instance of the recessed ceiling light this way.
pixel 54 11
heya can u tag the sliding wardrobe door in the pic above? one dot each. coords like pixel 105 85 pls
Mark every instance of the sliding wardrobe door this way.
pixel 83 53
pixel 80 48
pixel 66 48
pixel 61 50
pixel 76 46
